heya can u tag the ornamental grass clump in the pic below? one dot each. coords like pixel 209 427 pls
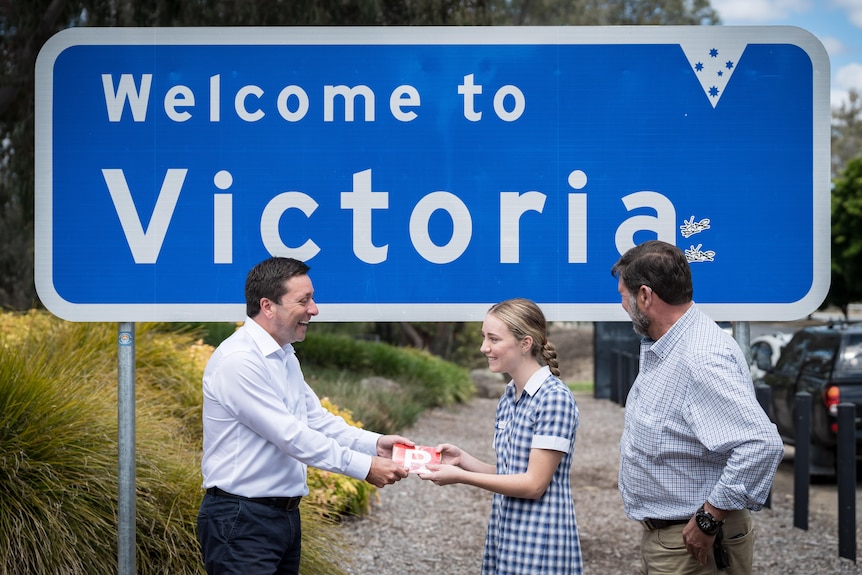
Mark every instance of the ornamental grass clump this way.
pixel 58 458
pixel 58 452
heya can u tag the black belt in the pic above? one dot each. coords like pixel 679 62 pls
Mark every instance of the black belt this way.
pixel 653 524
pixel 286 503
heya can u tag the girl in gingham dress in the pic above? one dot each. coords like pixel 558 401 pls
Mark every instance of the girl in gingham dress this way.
pixel 532 529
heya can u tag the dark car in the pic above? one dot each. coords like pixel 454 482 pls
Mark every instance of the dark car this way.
pixel 825 361
pixel 765 351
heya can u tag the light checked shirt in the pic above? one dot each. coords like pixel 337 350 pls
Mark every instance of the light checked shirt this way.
pixel 262 423
pixel 694 431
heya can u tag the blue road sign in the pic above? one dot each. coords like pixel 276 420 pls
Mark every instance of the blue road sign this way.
pixel 426 173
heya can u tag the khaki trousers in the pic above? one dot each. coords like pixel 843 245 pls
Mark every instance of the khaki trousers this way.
pixel 663 551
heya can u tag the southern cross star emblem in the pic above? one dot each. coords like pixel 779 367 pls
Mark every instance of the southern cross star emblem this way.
pixel 713 63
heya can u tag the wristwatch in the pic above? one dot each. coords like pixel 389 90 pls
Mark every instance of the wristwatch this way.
pixel 707 523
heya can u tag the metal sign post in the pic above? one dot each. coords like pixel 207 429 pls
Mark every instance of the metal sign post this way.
pixel 126 471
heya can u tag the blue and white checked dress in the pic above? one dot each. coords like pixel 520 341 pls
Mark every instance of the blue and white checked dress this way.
pixel 525 536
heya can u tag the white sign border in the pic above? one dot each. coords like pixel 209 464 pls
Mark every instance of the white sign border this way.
pixel 435 312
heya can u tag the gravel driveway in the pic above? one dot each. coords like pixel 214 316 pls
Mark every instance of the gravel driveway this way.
pixel 418 527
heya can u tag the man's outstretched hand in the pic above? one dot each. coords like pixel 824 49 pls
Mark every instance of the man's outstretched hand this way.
pixel 384 472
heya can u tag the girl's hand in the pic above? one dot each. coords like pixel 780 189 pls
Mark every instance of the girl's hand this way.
pixel 449 454
pixel 441 474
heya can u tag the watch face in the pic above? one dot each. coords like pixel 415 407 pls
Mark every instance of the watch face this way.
pixel 706 523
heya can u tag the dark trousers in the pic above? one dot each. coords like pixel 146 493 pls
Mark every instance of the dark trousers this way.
pixel 242 538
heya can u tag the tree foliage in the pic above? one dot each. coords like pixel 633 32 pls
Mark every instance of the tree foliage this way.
pixel 846 132
pixel 846 286
pixel 602 12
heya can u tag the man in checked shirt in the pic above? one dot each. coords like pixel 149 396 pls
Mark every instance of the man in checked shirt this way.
pixel 697 452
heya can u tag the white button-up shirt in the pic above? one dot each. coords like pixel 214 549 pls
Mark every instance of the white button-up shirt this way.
pixel 263 424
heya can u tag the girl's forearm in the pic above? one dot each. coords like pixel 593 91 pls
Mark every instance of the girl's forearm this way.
pixel 470 463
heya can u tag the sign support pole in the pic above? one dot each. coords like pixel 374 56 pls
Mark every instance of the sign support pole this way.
pixel 742 335
pixel 126 449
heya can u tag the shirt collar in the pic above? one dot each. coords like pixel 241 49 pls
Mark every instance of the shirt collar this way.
pixel 265 342
pixel 536 380
pixel 666 342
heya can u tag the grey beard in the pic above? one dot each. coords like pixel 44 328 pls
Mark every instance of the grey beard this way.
pixel 640 322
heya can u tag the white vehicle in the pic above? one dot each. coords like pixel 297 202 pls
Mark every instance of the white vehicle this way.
pixel 765 351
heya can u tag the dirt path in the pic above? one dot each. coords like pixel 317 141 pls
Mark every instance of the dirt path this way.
pixel 419 527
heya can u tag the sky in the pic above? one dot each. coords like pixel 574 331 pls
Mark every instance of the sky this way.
pixel 836 23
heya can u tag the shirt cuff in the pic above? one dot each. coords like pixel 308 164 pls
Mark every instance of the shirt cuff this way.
pixel 359 466
pixel 550 442
pixel 368 442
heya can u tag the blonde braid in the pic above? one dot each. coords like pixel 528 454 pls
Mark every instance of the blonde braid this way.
pixel 549 354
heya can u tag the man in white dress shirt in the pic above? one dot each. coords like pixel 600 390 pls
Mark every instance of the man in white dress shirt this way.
pixel 263 424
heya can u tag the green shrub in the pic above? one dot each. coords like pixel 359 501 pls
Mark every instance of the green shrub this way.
pixel 335 494
pixel 457 342
pixel 210 333
pixel 381 410
pixel 439 382
pixel 334 364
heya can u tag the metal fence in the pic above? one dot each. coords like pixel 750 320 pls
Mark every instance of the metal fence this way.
pixel 623 373
pixel 845 472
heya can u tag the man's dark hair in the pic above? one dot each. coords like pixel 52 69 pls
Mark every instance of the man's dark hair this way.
pixel 267 280
pixel 660 266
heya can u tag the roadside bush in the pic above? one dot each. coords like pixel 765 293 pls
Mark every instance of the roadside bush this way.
pixel 335 494
pixel 333 365
pixel 58 473
pixel 457 342
pixel 58 452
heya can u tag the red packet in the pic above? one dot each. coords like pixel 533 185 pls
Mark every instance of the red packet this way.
pixel 414 458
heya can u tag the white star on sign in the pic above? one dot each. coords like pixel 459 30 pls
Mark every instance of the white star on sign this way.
pixel 713 63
